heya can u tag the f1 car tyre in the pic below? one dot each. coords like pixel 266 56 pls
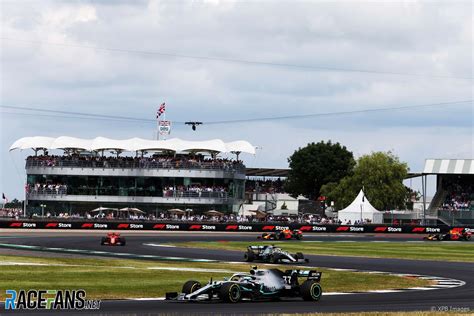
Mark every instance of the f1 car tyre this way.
pixel 103 240
pixel 299 255
pixel 230 292
pixel 249 256
pixel 123 241
pixel 191 286
pixel 299 237
pixel 311 290
pixel 275 258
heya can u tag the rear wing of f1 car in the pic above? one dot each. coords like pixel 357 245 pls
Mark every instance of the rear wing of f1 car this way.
pixel 309 274
pixel 257 247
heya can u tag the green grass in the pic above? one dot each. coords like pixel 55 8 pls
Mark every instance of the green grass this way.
pixel 462 251
pixel 125 278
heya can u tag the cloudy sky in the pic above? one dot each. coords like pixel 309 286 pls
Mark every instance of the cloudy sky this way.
pixel 310 57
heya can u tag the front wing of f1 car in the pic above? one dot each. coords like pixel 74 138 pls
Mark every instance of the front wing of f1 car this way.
pixel 113 241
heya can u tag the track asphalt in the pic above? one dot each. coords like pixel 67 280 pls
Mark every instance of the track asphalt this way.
pixel 454 299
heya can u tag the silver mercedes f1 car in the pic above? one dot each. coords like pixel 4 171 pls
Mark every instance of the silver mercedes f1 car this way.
pixel 272 254
pixel 259 284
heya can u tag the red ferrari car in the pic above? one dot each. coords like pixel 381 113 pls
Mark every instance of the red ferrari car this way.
pixel 283 235
pixel 113 239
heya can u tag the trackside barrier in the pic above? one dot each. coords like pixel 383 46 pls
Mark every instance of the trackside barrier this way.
pixel 227 227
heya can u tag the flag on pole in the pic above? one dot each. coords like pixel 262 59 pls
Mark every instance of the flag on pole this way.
pixel 161 110
pixel 4 197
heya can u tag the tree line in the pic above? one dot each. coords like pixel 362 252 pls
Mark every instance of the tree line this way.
pixel 330 170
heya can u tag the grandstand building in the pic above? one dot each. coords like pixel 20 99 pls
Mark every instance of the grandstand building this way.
pixel 149 175
pixel 453 202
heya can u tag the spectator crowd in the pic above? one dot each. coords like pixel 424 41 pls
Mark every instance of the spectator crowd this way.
pixel 195 191
pixel 46 188
pixel 11 212
pixel 188 216
pixel 191 191
pixel 153 162
pixel 459 197
pixel 265 186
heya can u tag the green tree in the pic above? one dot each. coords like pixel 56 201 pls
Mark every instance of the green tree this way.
pixel 15 203
pixel 380 174
pixel 315 165
pixel 411 197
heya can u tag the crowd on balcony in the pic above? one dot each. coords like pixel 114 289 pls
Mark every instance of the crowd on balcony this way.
pixel 46 188
pixel 459 197
pixel 155 161
pixel 265 186
pixel 195 191
pixel 189 191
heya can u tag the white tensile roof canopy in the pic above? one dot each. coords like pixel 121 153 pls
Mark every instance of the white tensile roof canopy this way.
pixel 360 209
pixel 39 141
pixel 132 144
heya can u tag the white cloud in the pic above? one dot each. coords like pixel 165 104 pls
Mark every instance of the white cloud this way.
pixel 64 17
pixel 415 37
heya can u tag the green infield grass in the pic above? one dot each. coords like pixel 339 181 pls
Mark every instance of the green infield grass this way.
pixel 444 251
pixel 127 278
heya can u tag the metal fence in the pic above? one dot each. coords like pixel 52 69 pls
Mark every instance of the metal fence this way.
pixel 137 164
pixel 133 193
pixel 464 216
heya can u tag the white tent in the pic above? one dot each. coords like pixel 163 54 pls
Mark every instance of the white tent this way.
pixel 360 210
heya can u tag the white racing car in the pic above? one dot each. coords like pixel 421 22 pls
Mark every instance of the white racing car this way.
pixel 272 254
pixel 257 285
